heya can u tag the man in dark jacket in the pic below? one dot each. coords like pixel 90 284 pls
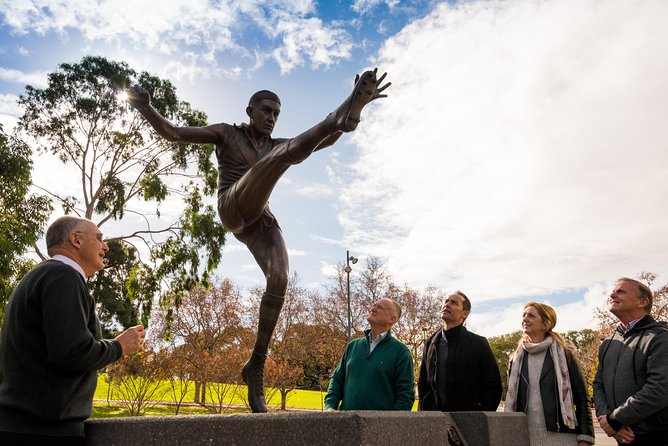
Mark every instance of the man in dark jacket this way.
pixel 458 370
pixel 631 383
pixel 51 346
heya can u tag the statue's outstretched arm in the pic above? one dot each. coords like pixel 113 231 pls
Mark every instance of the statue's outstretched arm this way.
pixel 140 99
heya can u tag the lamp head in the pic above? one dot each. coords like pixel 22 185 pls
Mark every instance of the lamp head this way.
pixel 353 260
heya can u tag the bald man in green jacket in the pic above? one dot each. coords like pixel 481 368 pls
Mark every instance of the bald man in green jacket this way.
pixel 376 371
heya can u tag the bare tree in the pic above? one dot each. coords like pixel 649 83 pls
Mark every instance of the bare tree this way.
pixel 136 380
pixel 207 323
pixel 222 377
pixel 177 371
pixel 370 283
pixel 419 318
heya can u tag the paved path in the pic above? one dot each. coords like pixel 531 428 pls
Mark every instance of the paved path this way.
pixel 601 438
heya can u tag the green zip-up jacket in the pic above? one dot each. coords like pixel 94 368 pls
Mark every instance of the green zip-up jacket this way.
pixel 380 380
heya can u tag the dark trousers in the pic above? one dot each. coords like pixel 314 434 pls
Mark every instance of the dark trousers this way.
pixel 11 439
pixel 653 439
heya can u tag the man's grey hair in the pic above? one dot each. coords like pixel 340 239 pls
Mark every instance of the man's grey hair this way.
pixel 397 307
pixel 60 230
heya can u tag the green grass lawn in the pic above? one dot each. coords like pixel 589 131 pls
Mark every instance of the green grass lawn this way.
pixel 112 410
pixel 297 399
pixel 105 406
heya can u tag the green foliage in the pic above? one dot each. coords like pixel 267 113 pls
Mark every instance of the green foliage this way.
pixel 22 215
pixel 124 289
pixel 122 165
pixel 179 255
pixel 582 339
pixel 503 346
pixel 586 343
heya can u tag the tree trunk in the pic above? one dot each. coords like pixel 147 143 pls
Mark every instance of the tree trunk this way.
pixel 197 385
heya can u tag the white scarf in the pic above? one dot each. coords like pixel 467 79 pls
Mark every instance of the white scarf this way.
pixel 560 370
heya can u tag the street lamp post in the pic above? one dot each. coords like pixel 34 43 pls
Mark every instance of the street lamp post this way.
pixel 349 259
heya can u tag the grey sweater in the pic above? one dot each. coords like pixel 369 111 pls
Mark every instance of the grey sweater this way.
pixel 50 351
pixel 631 383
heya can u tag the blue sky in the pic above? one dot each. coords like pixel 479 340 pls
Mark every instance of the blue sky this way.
pixel 518 157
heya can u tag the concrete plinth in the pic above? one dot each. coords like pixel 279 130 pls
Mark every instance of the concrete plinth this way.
pixel 312 428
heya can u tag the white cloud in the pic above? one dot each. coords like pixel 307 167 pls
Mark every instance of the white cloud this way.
pixel 9 111
pixel 520 149
pixel 194 30
pixel 365 6
pixel 36 79
pixel 328 269
pixel 231 247
pixel 8 104
pixel 250 267
pixel 571 316
pixel 326 240
pixel 316 191
pixel 322 45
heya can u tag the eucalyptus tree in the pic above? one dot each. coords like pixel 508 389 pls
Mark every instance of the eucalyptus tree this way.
pixel 22 213
pixel 122 168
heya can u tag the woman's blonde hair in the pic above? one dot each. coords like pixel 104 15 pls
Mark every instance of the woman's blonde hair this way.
pixel 549 316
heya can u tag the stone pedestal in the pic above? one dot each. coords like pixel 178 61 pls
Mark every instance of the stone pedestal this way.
pixel 313 428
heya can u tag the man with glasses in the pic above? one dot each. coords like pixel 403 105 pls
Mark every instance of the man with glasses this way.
pixel 51 346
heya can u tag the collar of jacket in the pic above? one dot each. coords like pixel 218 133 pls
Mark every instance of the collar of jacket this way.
pixel 452 334
pixel 367 335
pixel 645 322
pixel 455 332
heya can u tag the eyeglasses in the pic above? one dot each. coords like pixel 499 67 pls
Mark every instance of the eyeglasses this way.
pixel 98 235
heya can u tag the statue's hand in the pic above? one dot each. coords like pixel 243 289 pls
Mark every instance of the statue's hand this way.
pixel 379 89
pixel 138 97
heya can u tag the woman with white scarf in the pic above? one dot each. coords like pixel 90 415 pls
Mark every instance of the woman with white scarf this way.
pixel 545 382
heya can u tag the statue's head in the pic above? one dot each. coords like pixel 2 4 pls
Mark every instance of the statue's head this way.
pixel 263 110
pixel 263 94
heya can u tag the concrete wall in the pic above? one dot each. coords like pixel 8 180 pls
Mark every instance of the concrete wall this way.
pixel 312 428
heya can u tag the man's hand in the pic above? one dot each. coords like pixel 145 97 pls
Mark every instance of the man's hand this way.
pixel 138 97
pixel 132 340
pixel 625 435
pixel 603 422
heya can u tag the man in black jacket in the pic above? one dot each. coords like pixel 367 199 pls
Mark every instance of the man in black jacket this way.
pixel 51 346
pixel 458 370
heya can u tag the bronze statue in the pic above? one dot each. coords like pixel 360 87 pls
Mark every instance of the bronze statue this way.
pixel 250 163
